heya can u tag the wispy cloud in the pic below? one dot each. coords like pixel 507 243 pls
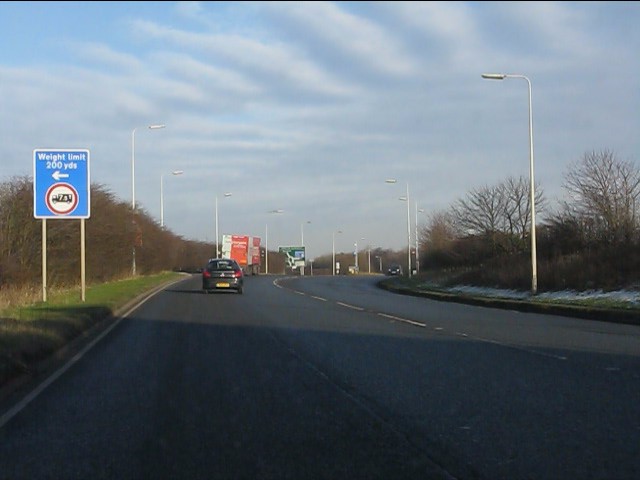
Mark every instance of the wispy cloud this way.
pixel 309 106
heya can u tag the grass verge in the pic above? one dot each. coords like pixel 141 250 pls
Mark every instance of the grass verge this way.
pixel 607 310
pixel 33 332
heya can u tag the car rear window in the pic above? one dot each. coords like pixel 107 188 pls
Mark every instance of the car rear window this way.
pixel 221 265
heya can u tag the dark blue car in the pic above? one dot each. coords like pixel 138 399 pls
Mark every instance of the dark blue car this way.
pixel 394 269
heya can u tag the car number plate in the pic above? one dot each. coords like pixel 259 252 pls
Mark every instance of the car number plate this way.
pixel 222 285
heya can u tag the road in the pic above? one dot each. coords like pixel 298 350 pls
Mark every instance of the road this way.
pixel 330 378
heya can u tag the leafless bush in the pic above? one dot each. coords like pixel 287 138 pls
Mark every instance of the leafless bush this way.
pixel 110 235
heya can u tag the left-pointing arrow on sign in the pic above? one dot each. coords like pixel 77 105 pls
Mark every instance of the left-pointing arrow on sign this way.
pixel 57 175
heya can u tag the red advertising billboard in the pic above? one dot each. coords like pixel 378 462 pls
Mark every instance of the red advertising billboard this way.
pixel 240 249
pixel 255 251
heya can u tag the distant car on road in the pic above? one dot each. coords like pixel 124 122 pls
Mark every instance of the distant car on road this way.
pixel 394 269
pixel 222 274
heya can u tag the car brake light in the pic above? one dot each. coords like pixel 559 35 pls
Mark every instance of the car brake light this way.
pixel 206 274
pixel 237 273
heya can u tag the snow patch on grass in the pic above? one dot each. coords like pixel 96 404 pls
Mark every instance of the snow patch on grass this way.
pixel 629 297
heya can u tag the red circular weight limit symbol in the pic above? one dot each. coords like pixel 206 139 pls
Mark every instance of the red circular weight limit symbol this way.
pixel 61 198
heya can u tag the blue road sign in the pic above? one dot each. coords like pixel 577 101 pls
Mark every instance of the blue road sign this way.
pixel 61 183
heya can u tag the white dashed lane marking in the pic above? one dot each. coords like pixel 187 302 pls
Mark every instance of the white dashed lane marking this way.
pixel 438 329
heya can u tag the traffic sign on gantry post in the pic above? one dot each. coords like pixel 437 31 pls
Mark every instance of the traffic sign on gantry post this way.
pixel 61 186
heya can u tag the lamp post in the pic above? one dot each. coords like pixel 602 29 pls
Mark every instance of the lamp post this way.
pixel 266 248
pixel 406 199
pixel 175 172
pixel 133 187
pixel 356 255
pixel 534 269
pixel 334 250
pixel 227 194
pixel 302 245
pixel 417 242
pixel 266 241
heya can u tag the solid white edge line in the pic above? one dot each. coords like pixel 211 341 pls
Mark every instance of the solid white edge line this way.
pixel 12 412
pixel 18 407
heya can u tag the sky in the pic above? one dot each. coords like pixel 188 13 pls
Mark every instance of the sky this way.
pixel 307 108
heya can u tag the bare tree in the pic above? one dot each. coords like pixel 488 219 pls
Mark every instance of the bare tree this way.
pixel 517 212
pixel 481 212
pixel 437 239
pixel 603 192
pixel 20 233
pixel 504 208
pixel 440 231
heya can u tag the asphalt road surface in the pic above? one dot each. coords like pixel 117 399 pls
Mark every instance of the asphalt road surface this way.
pixel 333 378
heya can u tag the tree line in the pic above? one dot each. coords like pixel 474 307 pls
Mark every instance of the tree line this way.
pixel 111 233
pixel 589 240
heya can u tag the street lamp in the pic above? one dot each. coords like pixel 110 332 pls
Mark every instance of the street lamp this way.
pixel 175 172
pixel 266 241
pixel 334 250
pixel 302 245
pixel 356 255
pixel 133 186
pixel 417 242
pixel 227 194
pixel 406 199
pixel 534 269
